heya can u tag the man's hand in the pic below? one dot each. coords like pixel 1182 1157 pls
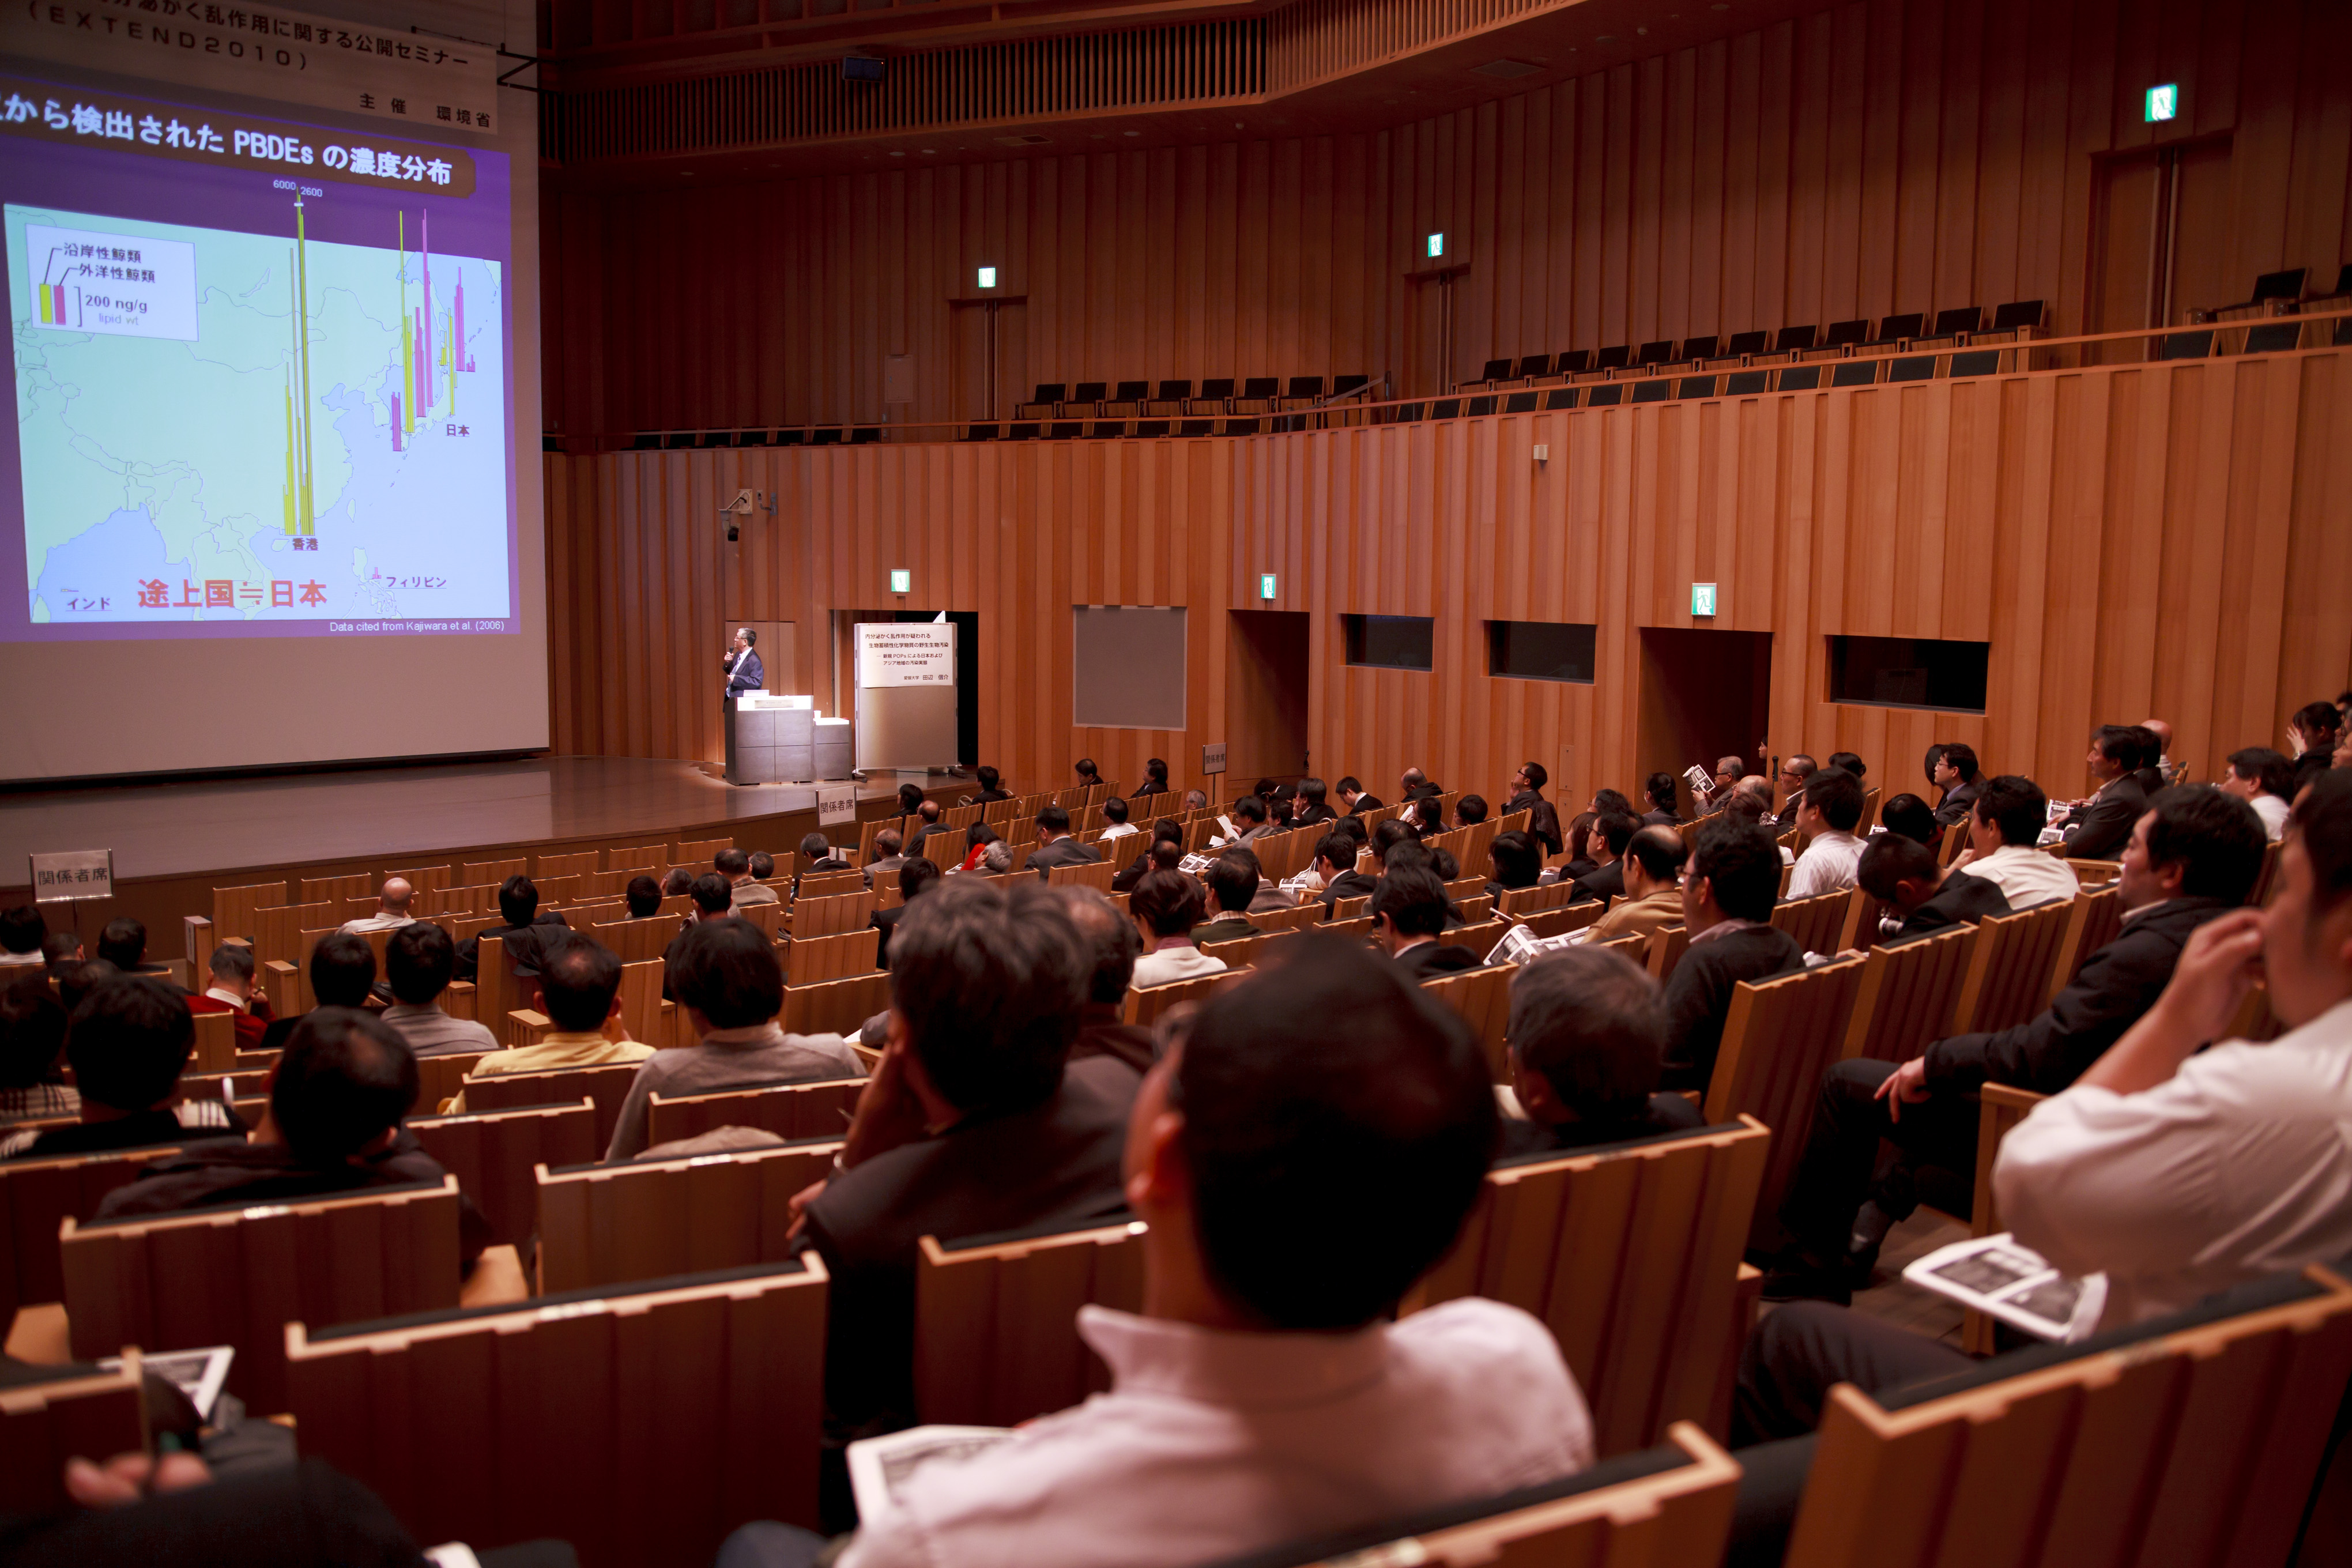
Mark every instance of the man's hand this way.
pixel 130 1478
pixel 1906 1085
pixel 888 1114
pixel 797 1206
pixel 2217 965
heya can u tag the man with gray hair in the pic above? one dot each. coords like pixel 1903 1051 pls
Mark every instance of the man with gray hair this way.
pixel 1110 946
pixel 390 907
pixel 889 854
pixel 1588 1036
pixel 741 664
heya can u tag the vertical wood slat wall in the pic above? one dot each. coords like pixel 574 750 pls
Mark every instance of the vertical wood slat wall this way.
pixel 1872 157
pixel 2166 539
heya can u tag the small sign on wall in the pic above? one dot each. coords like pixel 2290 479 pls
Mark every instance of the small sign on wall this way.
pixel 1703 599
pixel 1212 758
pixel 835 803
pixel 72 875
pixel 1266 585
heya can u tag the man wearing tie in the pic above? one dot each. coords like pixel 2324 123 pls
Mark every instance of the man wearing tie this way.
pixel 742 667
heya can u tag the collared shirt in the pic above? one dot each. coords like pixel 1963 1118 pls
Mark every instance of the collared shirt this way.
pixel 2273 811
pixel 380 920
pixel 222 994
pixel 750 1058
pixel 2237 1166
pixel 39 1103
pixel 1119 830
pixel 1213 1444
pixel 1725 926
pixel 1829 864
pixel 556 1050
pixel 430 1032
pixel 1174 959
pixel 21 960
pixel 2026 875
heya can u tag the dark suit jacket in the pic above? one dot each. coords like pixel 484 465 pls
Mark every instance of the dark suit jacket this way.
pixel 2103 828
pixel 523 945
pixel 1429 960
pixel 133 1131
pixel 1063 851
pixel 885 921
pixel 1364 803
pixel 1226 927
pixel 1660 1114
pixel 1101 1033
pixel 1053 1163
pixel 1699 997
pixel 1959 801
pixel 2118 983
pixel 1126 881
pixel 1346 885
pixel 1662 817
pixel 1963 897
pixel 1311 815
pixel 2307 767
pixel 989 797
pixel 1609 882
pixel 2149 781
pixel 744 673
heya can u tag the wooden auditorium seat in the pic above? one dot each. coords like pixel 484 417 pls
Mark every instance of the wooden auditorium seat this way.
pixel 1631 1255
pixel 831 957
pixel 1816 924
pixel 493 1153
pixel 642 1219
pixel 1665 949
pixel 1562 922
pixel 1145 1005
pixel 2096 920
pixel 1907 992
pixel 636 941
pixel 604 1087
pixel 1482 998
pixel 476 873
pixel 996 1338
pixel 699 852
pixel 835 1007
pixel 818 1109
pixel 234 1275
pixel 52 1413
pixel 2009 973
pixel 829 885
pixel 1097 875
pixel 36 1194
pixel 1779 1038
pixel 641 1423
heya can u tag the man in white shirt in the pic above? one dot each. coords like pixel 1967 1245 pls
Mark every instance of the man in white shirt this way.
pixel 2179 1173
pixel 390 907
pixel 1829 809
pixel 22 930
pixel 2003 826
pixel 1115 825
pixel 2264 780
pixel 1304 1156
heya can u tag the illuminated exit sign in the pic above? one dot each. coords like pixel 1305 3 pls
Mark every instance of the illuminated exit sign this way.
pixel 2163 102
pixel 1266 585
pixel 1703 599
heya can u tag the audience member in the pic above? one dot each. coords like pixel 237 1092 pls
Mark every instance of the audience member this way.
pixel 2193 858
pixel 1470 811
pixel 911 799
pixel 1579 863
pixel 1849 762
pixel 2101 827
pixel 978 839
pixel 1166 906
pixel 1247 820
pixel 1513 862
pixel 1353 796
pixel 2313 732
pixel 1653 869
pixel 1610 834
pixel 1056 847
pixel 1194 800
pixel 1314 805
pixel 78 980
pixel 1304 1156
pixel 1334 858
pixel 1155 780
pixel 889 855
pixel 1733 881
pixel 676 881
pixel 1089 774
pixel 124 943
pixel 128 1042
pixel 579 989
pixel 519 936
pixel 2006 825
pixel 1795 770
pixel 1164 831
pixel 735 864
pixel 60 950
pixel 1903 874
pixel 1412 781
pixel 1525 794
pixel 22 932
pixel 2265 781
pixel 2154 739
pixel 1407 916
pixel 763 865
pixel 1587 1035
pixel 1829 809
pixel 916 878
pixel 1115 825
pixel 975 1120
pixel 1910 816
pixel 1110 944
pixel 33 1086
pixel 644 897
pixel 1660 788
pixel 1728 771
pixel 1233 879
pixel 234 989
pixel 928 821
pixel 341 973
pixel 818 856
pixel 728 979
pixel 992 786
pixel 418 959
pixel 713 901
pixel 390 907
pixel 1954 772
pixel 1428 818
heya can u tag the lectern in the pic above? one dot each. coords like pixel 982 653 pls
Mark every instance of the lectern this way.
pixel 779 739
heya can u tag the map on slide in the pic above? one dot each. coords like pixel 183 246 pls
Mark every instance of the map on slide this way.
pixel 215 425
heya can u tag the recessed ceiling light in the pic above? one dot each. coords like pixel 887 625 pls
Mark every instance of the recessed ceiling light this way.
pixel 928 150
pixel 1135 133
pixel 897 154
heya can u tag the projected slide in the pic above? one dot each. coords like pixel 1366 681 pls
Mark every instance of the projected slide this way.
pixel 244 428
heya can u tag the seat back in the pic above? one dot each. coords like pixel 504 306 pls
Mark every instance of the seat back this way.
pixel 50 1415
pixel 493 1153
pixel 996 1339
pixel 1629 1255
pixel 1906 996
pixel 277 931
pixel 1561 921
pixel 235 1276
pixel 2214 1431
pixel 2096 916
pixel 1816 923
pixel 1779 1038
pixel 1665 949
pixel 235 911
pixel 2009 974
pixel 1096 874
pixel 832 957
pixel 699 852
pixel 35 1195
pixel 1482 998
pixel 832 915
pixel 644 1219
pixel 1143 1006
pixel 1525 902
pixel 604 1088
pixel 640 1426
pixel 835 1007
pixel 818 1109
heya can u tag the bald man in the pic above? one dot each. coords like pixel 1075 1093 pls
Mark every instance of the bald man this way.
pixel 390 907
pixel 2155 771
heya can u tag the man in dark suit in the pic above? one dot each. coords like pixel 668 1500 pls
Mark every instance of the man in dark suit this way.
pixel 1903 873
pixel 990 782
pixel 2192 857
pixel 2099 830
pixel 1729 891
pixel 1334 857
pixel 742 667
pixel 1408 915
pixel 1054 845
pixel 1527 795
pixel 889 854
pixel 1353 796
pixel 1955 771
pixel 1233 879
pixel 1110 943
pixel 1587 1028
pixel 1607 845
pixel 1314 807
pixel 1660 788
pixel 976 1121
pixel 518 906
pixel 915 877
pixel 820 857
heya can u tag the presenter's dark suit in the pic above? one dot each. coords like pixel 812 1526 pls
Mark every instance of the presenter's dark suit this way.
pixel 2103 828
pixel 744 673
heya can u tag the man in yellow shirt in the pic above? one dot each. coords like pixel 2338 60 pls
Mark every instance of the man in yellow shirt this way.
pixel 1653 868
pixel 579 991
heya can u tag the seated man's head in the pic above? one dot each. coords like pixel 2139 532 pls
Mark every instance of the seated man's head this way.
pixel 1249 812
pixel 59 949
pixel 580 984
pixel 2114 752
pixel 1107 942
pixel 1052 821
pixel 1605 801
pixel 886 844
pixel 32 1031
pixel 676 880
pixel 764 865
pixel 78 980
pixel 1957 765
pixel 1517 860
pixel 733 864
pixel 1735 874
pixel 1313 791
pixel 1653 859
pixel 22 930
pixel 1849 762
pixel 1349 788
pixel 1396 830
pixel 129 1042
pixel 929 813
pixel 814 846
pixel 1232 881
pixel 1908 817
pixel 124 943
pixel 1795 769
pixel 1310 1148
pixel 341 1088
pixel 1195 799
pixel 2307 929
pixel 1532 776
pixel 1831 802
pixel 916 877
pixel 2257 770
pixel 1898 871
pixel 518 900
pixel 2011 810
pixel 645 896
pixel 712 894
pixel 988 777
pixel 1114 811
pixel 342 970
pixel 394 897
pixel 1086 771
pixel 231 969
pixel 1470 810
pixel 418 960
pixel 1412 907
pixel 988 986
pixel 1588 1037
pixel 1728 772
pixel 728 976
pixel 1165 903
pixel 1612 834
pixel 2194 842
pixel 1334 853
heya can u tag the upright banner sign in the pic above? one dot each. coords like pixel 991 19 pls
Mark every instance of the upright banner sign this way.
pixel 900 653
pixel 835 803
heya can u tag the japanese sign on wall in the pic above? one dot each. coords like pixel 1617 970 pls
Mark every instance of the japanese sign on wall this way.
pixel 835 803
pixel 73 874
pixel 898 653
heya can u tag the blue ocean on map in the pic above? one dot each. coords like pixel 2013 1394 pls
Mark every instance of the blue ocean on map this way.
pixel 102 568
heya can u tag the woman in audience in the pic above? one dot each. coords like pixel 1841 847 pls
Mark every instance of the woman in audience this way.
pixel 911 799
pixel 1165 906
pixel 33 1084
pixel 1515 862
pixel 976 839
pixel 1912 817
pixel 1581 863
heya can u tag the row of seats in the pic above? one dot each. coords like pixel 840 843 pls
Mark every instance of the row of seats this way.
pixel 1218 394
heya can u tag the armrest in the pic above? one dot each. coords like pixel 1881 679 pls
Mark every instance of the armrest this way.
pixel 2009 1097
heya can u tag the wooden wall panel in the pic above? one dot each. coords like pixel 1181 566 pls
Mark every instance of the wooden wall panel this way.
pixel 2163 539
pixel 1873 157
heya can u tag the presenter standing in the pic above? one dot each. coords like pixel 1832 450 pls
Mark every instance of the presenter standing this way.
pixel 741 664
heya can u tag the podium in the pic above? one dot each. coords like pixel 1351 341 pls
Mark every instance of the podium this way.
pixel 778 739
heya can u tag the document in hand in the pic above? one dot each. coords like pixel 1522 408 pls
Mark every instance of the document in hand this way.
pixel 1994 1274
pixel 878 1467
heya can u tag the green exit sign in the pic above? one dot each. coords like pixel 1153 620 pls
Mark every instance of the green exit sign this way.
pixel 1437 245
pixel 2163 102
pixel 1702 598
pixel 1266 585
pixel 902 582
